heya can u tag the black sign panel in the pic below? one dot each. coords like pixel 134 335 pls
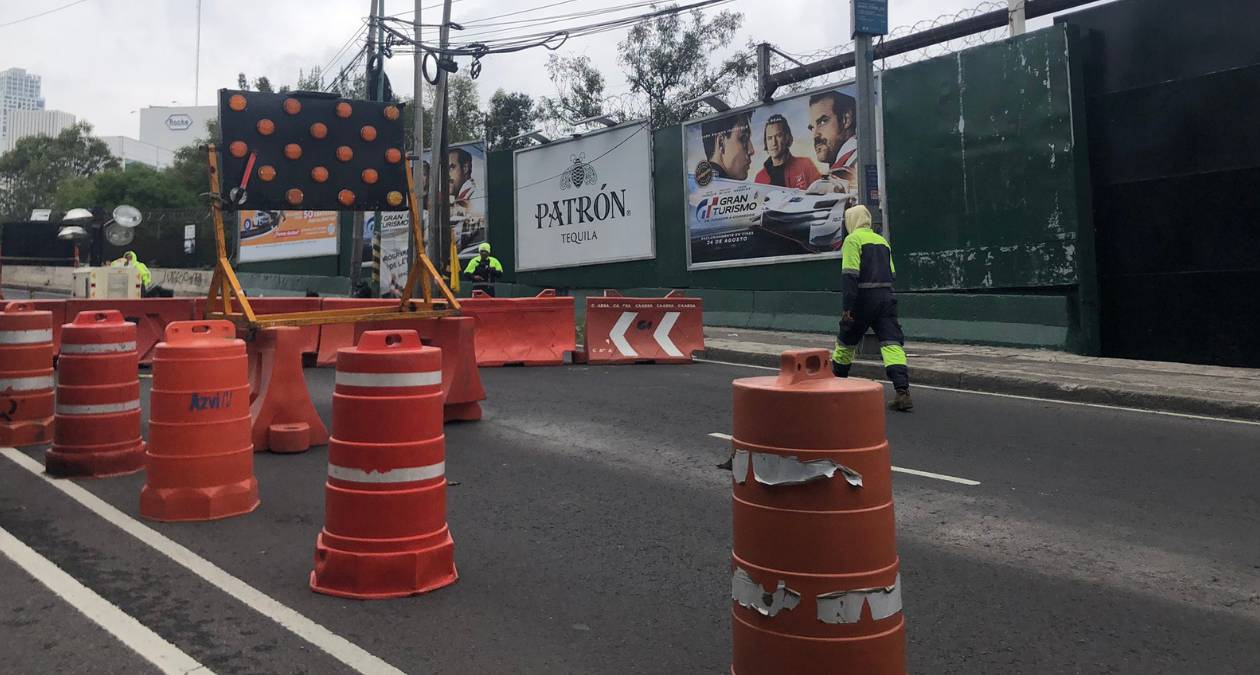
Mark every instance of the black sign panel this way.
pixel 311 151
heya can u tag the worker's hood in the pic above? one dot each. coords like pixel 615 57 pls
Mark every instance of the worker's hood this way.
pixel 130 255
pixel 856 217
pixel 484 247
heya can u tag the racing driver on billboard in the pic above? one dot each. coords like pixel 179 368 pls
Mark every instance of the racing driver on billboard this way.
pixel 782 168
pixel 833 119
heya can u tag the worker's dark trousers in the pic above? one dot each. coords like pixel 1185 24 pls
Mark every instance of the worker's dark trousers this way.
pixel 876 308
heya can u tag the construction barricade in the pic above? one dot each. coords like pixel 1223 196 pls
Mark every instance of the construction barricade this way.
pixel 642 330
pixel 262 306
pixel 26 375
pixel 200 460
pixel 284 419
pixel 336 336
pixel 151 316
pixel 97 422
pixel 522 331
pixel 385 532
pixel 815 584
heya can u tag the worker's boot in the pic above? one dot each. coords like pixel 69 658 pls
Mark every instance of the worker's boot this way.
pixel 901 402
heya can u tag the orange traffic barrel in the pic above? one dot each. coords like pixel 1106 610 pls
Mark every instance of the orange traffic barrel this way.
pixel 385 532
pixel 97 429
pixel 26 375
pixel 815 584
pixel 200 460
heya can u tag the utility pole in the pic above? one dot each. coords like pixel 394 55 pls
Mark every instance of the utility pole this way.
pixel 197 66
pixel 378 95
pixel 417 165
pixel 1015 8
pixel 868 18
pixel 439 236
pixel 356 251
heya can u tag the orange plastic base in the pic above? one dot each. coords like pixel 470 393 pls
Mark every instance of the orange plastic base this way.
pixel 81 464
pixel 180 504
pixel 27 432
pixel 289 438
pixel 757 651
pixel 462 412
pixel 378 576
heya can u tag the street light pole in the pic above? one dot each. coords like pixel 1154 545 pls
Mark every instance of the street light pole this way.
pixel 417 164
pixel 439 240
pixel 869 18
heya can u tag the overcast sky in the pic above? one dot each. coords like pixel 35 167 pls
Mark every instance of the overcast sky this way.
pixel 103 59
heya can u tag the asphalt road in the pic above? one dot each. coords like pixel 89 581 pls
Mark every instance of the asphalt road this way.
pixel 592 535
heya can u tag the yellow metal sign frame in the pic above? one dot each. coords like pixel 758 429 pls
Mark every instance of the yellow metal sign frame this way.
pixel 226 299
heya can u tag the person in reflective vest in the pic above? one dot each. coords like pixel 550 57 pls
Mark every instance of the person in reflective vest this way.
pixel 129 259
pixel 869 302
pixel 484 269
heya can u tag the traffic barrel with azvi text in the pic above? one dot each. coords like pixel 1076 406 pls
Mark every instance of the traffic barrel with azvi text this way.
pixel 385 532
pixel 97 430
pixel 815 583
pixel 200 459
pixel 26 375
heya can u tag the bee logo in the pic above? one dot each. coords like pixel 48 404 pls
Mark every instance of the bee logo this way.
pixel 579 174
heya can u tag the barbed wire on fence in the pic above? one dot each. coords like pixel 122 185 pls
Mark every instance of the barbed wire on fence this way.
pixel 779 62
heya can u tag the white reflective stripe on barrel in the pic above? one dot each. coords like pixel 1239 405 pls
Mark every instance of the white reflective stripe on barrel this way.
pixel 406 474
pixel 26 383
pixel 97 348
pixel 97 408
pixel 421 379
pixel 25 337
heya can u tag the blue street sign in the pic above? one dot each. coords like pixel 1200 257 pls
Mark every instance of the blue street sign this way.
pixel 869 17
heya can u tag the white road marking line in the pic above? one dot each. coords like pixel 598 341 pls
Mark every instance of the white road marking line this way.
pixel 1104 406
pixel 912 472
pixel 149 645
pixel 334 645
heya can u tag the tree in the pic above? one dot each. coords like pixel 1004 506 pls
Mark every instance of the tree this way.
pixel 670 60
pixel 32 171
pixel 511 114
pixel 311 80
pixel 579 87
pixel 188 169
pixel 464 119
pixel 263 85
pixel 242 82
pixel 139 185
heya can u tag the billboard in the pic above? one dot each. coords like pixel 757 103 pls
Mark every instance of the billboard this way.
pixel 770 184
pixel 395 242
pixel 466 182
pixel 585 201
pixel 280 235
pixel 173 127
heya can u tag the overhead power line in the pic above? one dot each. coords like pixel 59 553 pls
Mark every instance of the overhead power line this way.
pixel 43 13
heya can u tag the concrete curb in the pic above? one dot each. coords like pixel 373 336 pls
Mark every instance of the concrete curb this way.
pixel 1024 386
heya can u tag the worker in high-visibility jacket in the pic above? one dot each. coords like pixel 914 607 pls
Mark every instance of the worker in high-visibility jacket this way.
pixel 869 302
pixel 484 269
pixel 129 259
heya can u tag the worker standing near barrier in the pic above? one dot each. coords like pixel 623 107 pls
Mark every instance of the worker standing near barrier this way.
pixel 870 302
pixel 147 289
pixel 484 270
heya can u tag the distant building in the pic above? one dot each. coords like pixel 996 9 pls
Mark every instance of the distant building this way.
pixel 131 150
pixel 24 123
pixel 173 127
pixel 19 90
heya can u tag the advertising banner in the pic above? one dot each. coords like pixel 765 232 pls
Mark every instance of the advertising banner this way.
pixel 586 200
pixel 771 183
pixel 280 235
pixel 466 181
pixel 395 263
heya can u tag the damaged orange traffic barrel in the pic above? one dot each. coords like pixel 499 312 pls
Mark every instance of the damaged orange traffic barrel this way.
pixel 26 375
pixel 814 575
pixel 97 430
pixel 200 459
pixel 385 532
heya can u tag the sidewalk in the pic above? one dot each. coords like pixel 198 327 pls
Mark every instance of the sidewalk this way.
pixel 1151 385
